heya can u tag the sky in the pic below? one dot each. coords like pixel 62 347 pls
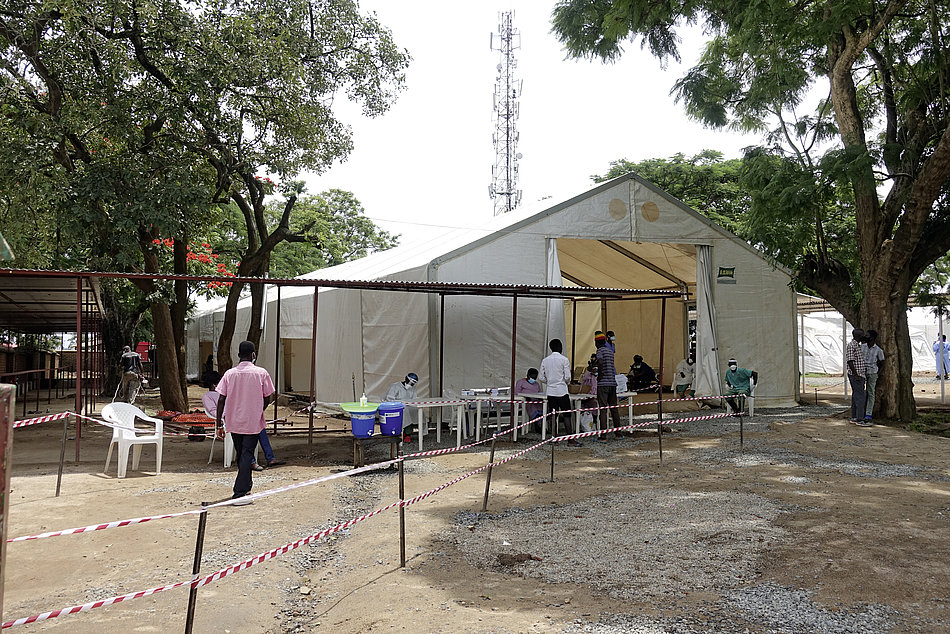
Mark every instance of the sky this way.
pixel 426 163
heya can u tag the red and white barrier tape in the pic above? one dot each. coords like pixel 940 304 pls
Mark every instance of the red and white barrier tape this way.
pixel 142 520
pixel 42 419
pixel 224 572
pixel 85 607
pixel 230 570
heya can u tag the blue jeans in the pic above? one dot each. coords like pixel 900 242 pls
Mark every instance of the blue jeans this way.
pixel 265 445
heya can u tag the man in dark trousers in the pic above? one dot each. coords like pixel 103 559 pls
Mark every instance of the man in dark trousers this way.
pixel 606 384
pixel 131 363
pixel 245 391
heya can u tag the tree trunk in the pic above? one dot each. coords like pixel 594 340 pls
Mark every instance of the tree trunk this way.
pixel 172 396
pixel 179 310
pixel 258 306
pixel 884 309
pixel 227 327
pixel 118 330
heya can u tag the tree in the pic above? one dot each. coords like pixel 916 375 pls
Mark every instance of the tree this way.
pixel 706 182
pixel 327 229
pixel 876 150
pixel 143 117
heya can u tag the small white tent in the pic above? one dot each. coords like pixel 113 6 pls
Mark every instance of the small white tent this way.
pixel 625 233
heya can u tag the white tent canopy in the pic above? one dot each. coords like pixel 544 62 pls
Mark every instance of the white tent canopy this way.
pixel 625 233
pixel 827 333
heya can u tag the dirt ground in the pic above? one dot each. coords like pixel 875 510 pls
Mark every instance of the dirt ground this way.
pixel 850 540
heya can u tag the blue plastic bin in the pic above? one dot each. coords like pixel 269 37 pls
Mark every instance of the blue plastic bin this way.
pixel 363 424
pixel 362 418
pixel 390 418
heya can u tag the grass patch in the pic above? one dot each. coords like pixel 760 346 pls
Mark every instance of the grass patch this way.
pixel 935 423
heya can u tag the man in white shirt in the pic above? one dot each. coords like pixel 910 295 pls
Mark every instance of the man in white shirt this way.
pixel 555 373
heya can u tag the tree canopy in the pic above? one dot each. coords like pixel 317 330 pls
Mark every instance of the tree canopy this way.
pixel 875 148
pixel 123 122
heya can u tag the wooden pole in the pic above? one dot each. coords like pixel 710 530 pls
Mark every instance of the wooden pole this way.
pixel 313 370
pixel 7 414
pixel 277 358
pixel 196 568
pixel 514 348
pixel 491 460
pixel 402 510
pixel 78 364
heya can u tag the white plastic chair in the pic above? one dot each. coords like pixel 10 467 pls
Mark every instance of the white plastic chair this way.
pixel 749 398
pixel 228 449
pixel 123 416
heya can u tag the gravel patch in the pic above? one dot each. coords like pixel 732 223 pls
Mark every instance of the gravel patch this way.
pixel 651 543
pixel 761 608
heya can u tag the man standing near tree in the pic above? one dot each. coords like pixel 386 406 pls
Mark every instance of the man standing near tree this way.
pixel 245 391
pixel 857 375
pixel 131 363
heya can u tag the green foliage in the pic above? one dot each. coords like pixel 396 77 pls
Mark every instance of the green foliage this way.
pixel 706 182
pixel 329 229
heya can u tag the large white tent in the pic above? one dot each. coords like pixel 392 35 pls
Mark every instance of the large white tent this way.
pixel 625 233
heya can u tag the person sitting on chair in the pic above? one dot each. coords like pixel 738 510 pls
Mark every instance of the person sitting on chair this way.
pixel 403 391
pixel 684 376
pixel 738 384
pixel 530 385
pixel 641 376
pixel 210 402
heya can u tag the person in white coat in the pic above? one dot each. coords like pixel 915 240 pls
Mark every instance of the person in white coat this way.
pixel 684 376
pixel 404 391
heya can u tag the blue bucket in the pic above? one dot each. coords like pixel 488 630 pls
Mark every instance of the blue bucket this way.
pixel 363 423
pixel 390 418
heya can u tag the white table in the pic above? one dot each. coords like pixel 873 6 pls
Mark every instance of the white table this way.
pixel 491 400
pixel 438 402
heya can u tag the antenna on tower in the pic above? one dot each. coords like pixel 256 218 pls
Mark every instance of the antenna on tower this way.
pixel 504 174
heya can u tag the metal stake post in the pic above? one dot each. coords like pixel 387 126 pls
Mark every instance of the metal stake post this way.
pixel 62 456
pixel 196 568
pixel 402 510
pixel 491 460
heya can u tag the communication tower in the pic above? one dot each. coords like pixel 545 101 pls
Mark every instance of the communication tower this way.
pixel 504 182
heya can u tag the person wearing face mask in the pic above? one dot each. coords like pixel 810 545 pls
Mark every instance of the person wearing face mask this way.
pixel 641 376
pixel 737 384
pixel 684 376
pixel 530 385
pixel 245 391
pixel 403 391
pixel 611 341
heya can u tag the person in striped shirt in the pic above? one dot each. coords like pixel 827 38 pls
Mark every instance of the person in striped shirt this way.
pixel 606 384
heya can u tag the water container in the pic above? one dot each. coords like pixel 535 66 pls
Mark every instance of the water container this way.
pixel 362 418
pixel 390 418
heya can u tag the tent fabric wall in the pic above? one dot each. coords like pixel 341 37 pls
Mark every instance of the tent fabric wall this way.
pixel 754 317
pixel 707 349
pixel 826 333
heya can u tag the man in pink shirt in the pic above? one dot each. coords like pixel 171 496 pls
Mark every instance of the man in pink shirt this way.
pixel 245 390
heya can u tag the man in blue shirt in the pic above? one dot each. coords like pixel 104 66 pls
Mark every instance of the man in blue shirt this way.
pixel 738 384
